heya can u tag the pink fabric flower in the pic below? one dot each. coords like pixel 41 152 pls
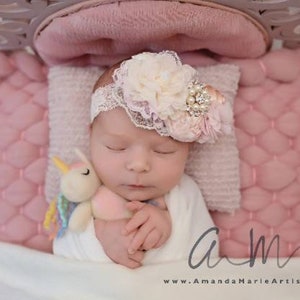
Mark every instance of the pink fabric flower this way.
pixel 203 128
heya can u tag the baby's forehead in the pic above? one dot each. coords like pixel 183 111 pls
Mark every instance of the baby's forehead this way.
pixel 115 118
pixel 117 124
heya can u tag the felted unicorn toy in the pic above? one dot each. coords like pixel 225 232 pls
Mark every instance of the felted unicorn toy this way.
pixel 81 197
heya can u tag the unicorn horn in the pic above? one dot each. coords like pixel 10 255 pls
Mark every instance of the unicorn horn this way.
pixel 62 166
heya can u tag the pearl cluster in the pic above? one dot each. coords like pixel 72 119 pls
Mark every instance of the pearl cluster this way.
pixel 199 100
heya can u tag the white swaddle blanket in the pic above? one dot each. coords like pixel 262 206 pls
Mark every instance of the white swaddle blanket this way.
pixel 190 219
pixel 31 275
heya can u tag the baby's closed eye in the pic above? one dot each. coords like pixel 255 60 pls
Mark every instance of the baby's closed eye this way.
pixel 164 150
pixel 116 147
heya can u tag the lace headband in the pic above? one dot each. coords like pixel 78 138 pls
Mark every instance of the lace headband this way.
pixel 158 92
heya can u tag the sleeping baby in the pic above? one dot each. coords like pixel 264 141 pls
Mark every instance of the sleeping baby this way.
pixel 146 113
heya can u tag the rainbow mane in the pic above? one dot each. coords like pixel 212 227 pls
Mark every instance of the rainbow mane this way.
pixel 58 215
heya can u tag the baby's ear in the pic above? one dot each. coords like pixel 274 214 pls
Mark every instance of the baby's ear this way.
pixel 81 156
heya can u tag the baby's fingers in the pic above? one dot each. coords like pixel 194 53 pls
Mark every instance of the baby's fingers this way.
pixel 131 261
pixel 135 205
pixel 140 237
pixel 152 240
pixel 138 256
pixel 131 264
pixel 135 222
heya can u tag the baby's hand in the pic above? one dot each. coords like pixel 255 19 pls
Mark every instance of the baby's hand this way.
pixel 115 244
pixel 151 225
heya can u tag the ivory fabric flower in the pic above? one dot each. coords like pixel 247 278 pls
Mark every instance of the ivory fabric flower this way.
pixel 160 80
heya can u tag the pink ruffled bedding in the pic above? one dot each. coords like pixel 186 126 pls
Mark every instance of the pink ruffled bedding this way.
pixel 267 121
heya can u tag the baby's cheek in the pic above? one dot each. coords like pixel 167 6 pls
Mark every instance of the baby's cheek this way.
pixel 169 180
pixel 108 172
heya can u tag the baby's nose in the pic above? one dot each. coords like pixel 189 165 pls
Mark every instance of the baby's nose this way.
pixel 139 161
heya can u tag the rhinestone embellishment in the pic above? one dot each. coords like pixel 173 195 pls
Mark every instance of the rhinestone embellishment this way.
pixel 199 100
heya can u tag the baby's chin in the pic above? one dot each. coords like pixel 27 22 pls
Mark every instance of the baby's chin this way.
pixel 141 196
pixel 141 199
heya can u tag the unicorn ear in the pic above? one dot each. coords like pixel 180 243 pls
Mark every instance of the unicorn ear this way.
pixel 81 156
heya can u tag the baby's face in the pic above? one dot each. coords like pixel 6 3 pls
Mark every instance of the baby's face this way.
pixel 137 164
